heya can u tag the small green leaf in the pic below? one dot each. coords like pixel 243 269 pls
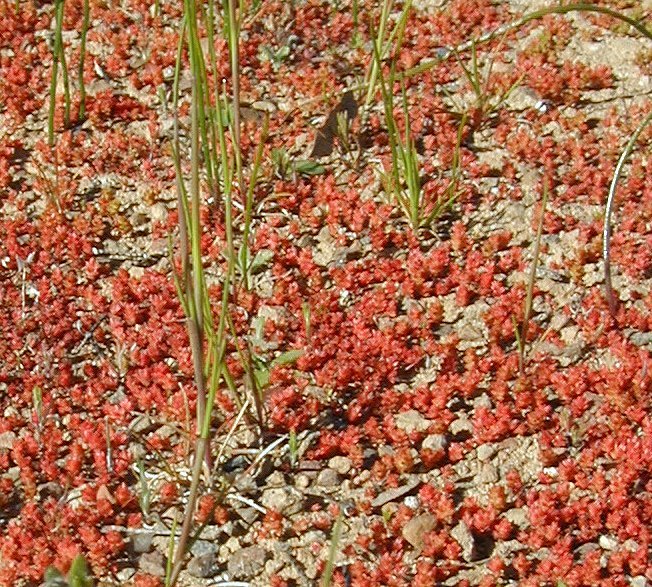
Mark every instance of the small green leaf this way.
pixel 288 357
pixel 260 260
pixel 78 575
pixel 307 167
pixel 262 377
pixel 282 53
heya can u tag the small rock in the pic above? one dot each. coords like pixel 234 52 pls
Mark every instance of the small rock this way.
pixel 302 481
pixel 487 474
pixel 152 563
pixel 246 563
pixel 340 464
pixel 124 575
pixel 631 545
pixel 485 452
pixel 412 421
pixel 203 565
pixel 460 426
pixel 586 548
pixel 412 501
pixel 285 500
pixel 608 542
pixel 142 541
pixel 249 515
pixel 638 581
pixel 435 442
pixel 465 539
pixel 415 530
pixel 482 401
pixel 276 479
pixel 158 212
pixel 328 478
pixel 7 439
pixel 166 431
pixel 518 517
pixel 395 493
pixel 201 547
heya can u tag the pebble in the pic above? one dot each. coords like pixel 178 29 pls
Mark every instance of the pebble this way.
pixel 395 493
pixel 246 562
pixel 608 542
pixel 485 452
pixel 203 565
pixel 249 515
pixel 152 563
pixel 518 517
pixel 487 474
pixel 415 529
pixel 301 481
pixel 340 464
pixel 328 478
pixel 201 547
pixel 124 575
pixel 412 421
pixel 461 425
pixel 465 539
pixel 435 442
pixel 285 500
pixel 142 541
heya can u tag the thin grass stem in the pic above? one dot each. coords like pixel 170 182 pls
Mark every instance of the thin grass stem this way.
pixel 606 231
pixel 529 295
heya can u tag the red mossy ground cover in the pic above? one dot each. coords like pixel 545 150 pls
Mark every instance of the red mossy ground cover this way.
pixel 409 373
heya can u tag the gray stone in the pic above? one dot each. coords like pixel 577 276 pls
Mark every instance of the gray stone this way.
pixel 142 541
pixel 285 500
pixel 152 563
pixel 395 493
pixel 249 515
pixel 201 547
pixel 246 563
pixel 203 565
pixel 638 581
pixel 328 478
pixel 124 575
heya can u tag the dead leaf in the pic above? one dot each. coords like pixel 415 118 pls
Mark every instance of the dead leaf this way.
pixel 326 134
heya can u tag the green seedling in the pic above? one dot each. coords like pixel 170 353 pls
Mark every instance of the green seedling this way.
pixel 293 446
pixel 478 77
pixel 284 166
pixel 275 56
